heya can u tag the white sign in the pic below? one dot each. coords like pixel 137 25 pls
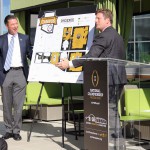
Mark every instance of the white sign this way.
pixel 57 37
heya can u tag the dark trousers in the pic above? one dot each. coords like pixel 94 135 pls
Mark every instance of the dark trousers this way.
pixel 13 96
pixel 115 131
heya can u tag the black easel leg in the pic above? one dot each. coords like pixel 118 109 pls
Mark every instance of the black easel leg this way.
pixel 38 101
pixel 63 128
pixel 73 114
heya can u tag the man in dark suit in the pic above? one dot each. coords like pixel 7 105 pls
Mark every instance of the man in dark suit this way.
pixel 14 50
pixel 107 44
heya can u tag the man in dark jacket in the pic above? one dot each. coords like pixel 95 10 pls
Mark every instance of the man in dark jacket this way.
pixel 107 44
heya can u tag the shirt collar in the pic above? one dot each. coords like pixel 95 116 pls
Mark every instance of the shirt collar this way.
pixel 105 28
pixel 10 35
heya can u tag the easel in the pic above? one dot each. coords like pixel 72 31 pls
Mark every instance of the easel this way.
pixel 37 105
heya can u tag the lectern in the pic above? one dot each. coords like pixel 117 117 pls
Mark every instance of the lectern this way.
pixel 99 75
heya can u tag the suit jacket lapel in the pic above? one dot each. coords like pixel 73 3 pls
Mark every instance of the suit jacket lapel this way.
pixel 5 46
pixel 21 44
pixel 20 40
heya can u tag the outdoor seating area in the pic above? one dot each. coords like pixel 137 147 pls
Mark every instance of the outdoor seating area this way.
pixel 133 107
pixel 135 110
pixel 49 132
pixel 51 96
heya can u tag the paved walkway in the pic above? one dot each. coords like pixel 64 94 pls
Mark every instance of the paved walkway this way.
pixel 47 136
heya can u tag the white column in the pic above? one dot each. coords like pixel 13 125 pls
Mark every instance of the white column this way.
pixel 1 17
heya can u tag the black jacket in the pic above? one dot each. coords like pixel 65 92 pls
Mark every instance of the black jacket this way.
pixel 108 44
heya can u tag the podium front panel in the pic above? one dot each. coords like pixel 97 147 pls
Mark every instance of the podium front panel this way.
pixel 96 105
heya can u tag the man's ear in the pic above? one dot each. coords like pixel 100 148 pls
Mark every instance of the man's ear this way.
pixel 107 20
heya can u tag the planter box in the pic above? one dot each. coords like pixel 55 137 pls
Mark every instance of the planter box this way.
pixel 47 112
pixel 142 130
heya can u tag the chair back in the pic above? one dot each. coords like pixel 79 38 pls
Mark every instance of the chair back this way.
pixel 137 101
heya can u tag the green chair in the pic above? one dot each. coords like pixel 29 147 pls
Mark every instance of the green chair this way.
pixel 132 100
pixel 51 94
pixel 32 94
pixel 77 115
pixel 75 109
pixel 138 102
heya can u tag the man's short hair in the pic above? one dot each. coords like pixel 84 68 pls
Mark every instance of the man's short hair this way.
pixel 106 13
pixel 8 17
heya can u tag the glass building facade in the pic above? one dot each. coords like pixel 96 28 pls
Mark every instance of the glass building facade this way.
pixel 4 11
pixel 139 41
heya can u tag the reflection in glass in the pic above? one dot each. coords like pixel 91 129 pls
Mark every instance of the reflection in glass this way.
pixel 143 52
pixel 142 27
pixel 130 52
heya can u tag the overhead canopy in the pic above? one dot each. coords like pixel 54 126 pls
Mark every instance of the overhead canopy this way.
pixel 32 5
pixel 140 6
pixel 19 5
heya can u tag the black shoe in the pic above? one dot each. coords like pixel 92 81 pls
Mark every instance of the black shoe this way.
pixel 17 137
pixel 7 135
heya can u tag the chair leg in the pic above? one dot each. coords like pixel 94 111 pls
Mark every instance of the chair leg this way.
pixel 132 129
pixel 79 121
pixel 65 123
pixel 74 123
pixel 124 129
pixel 41 112
pixel 75 127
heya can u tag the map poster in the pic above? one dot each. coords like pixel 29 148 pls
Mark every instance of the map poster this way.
pixel 63 33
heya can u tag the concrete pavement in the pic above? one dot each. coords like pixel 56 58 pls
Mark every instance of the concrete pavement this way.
pixel 47 136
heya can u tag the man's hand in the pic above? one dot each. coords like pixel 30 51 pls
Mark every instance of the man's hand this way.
pixel 63 64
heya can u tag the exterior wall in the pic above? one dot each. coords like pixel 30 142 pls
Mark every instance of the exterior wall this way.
pixel 19 4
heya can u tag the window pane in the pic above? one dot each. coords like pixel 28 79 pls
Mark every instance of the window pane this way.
pixel 143 52
pixel 142 27
pixel 130 52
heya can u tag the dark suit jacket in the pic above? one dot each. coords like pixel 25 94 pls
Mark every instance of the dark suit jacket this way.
pixel 108 44
pixel 25 52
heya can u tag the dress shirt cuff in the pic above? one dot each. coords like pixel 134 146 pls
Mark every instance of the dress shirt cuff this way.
pixel 70 64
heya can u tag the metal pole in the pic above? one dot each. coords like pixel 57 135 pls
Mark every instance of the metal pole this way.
pixel 63 128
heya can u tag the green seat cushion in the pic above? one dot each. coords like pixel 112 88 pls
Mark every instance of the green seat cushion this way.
pixel 75 111
pixel 133 118
pixel 47 101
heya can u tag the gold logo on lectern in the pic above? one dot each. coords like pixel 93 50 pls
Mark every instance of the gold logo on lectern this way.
pixel 95 78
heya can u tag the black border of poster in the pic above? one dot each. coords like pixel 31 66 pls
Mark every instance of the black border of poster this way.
pixel 95 105
pixel 71 10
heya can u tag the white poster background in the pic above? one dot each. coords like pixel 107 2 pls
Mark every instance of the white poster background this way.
pixel 51 42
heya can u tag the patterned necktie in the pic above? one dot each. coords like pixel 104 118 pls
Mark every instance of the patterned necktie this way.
pixel 9 54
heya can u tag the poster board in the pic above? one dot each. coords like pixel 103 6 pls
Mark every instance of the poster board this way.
pixel 63 33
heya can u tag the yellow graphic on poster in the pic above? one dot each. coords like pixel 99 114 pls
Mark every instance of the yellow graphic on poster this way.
pixel 72 56
pixel 55 58
pixel 80 37
pixel 67 34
